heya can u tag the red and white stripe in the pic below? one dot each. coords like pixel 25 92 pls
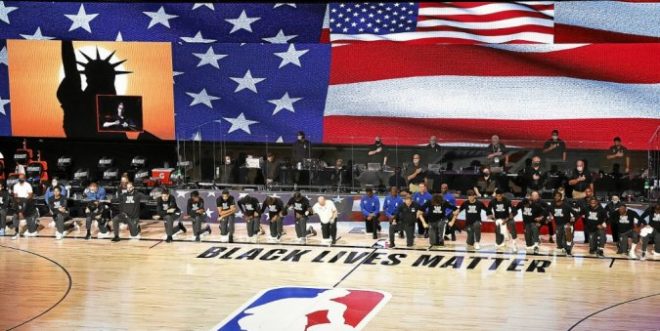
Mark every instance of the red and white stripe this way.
pixel 607 21
pixel 467 92
pixel 472 22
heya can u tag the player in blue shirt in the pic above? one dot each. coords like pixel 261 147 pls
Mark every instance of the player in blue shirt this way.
pixel 391 203
pixel 370 207
pixel 423 199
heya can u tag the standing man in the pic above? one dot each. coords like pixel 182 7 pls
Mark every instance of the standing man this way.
pixel 226 215
pixel 423 199
pixel 5 202
pixel 473 209
pixel 595 222
pixel 415 174
pixel 301 211
pixel 377 152
pixel 249 206
pixel 564 217
pixel 271 169
pixel 300 150
pixel 94 195
pixel 370 208
pixel 651 230
pixel 627 222
pixel 404 219
pixel 168 210
pixel 437 219
pixel 534 176
pixel 129 212
pixel 391 204
pixel 580 180
pixel 497 157
pixel 486 185
pixel 275 208
pixel 554 148
pixel 503 213
pixel 328 216
pixel 618 153
pixel 59 207
pixel 196 211
pixel 533 213
pixel 432 152
pixel 25 207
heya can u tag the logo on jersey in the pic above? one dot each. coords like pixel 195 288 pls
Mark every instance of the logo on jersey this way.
pixel 306 308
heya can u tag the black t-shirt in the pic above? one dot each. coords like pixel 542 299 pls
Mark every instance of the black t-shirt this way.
pixel 300 150
pixel 56 203
pixel 594 217
pixel 129 203
pixel 654 218
pixel 581 186
pixel 531 210
pixel 248 205
pixel 193 206
pixel 379 157
pixel 437 213
pixel 501 209
pixel 559 150
pixel 615 149
pixel 407 214
pixel 163 205
pixel 26 206
pixel 5 200
pixel 273 209
pixel 625 222
pixel 473 211
pixel 497 161
pixel 419 178
pixel 562 213
pixel 225 204
pixel 534 184
pixel 432 153
pixel 299 206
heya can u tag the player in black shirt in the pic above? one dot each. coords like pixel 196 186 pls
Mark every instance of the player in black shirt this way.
pixel 651 229
pixel 226 216
pixel 404 219
pixel 627 223
pixel 196 211
pixel 168 210
pixel 533 214
pixel 59 207
pixel 249 206
pixel 301 211
pixel 437 218
pixel 502 212
pixel 25 208
pixel 129 211
pixel 595 221
pixel 5 201
pixel 473 209
pixel 276 212
pixel 581 180
pixel 564 216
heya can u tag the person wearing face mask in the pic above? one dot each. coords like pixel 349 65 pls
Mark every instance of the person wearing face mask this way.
pixel 25 207
pixel 229 170
pixel 377 152
pixel 473 209
pixel 580 180
pixel 534 176
pixel 97 210
pixel 300 150
pixel 650 230
pixel 486 184
pixel 415 174
pixel 129 211
pixel 554 148
pixel 595 221
pixel 5 202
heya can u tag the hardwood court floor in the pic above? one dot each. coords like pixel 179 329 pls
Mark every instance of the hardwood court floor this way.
pixel 150 285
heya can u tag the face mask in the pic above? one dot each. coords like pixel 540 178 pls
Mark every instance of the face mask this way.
pixel 580 169
pixel 486 174
pixel 227 161
pixel 300 137
pixel 21 181
pixel 536 164
pixel 54 184
pixel 130 190
pixel 555 138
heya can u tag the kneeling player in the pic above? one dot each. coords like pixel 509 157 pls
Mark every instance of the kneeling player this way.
pixel 651 230
pixel 595 221
pixel 226 216
pixel 5 201
pixel 627 223
pixel 328 216
pixel 168 210
pixel 58 206
pixel 129 211
pixel 249 206
pixel 503 213
pixel 472 208
pixel 197 213
pixel 275 208
pixel 405 218
pixel 437 218
pixel 301 212
pixel 564 216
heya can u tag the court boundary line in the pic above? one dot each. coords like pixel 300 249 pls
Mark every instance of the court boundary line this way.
pixel 355 267
pixel 68 290
pixel 445 250
pixel 610 307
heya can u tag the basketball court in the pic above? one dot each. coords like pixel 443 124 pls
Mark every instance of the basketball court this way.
pixel 186 285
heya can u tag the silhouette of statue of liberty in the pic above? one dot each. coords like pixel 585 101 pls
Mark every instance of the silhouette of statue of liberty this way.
pixel 79 105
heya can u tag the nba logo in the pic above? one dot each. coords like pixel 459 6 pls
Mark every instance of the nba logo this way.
pixel 306 308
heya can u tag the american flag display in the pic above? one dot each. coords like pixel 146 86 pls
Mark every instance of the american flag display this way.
pixel 261 72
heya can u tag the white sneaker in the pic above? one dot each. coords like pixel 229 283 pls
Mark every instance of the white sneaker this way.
pixel 16 236
pixel 101 235
pixel 76 227
pixel 58 235
pixel 514 246
pixel 632 255
pixel 224 239
pixel 477 247
pixel 30 234
pixel 498 246
pixel 123 226
pixel 51 224
pixel 656 254
pixel 136 237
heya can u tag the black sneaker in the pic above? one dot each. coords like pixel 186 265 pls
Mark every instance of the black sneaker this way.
pixel 441 244
pixel 453 236
pixel 446 237
pixel 426 233
pixel 208 229
pixel 197 238
pixel 592 252
pixel 88 236
pixel 568 251
pixel 182 228
pixel 231 239
pixel 401 234
pixel 115 239
pixel 536 250
pixel 169 239
pixel 600 254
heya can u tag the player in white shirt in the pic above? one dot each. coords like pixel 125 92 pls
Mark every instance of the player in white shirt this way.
pixel 328 215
